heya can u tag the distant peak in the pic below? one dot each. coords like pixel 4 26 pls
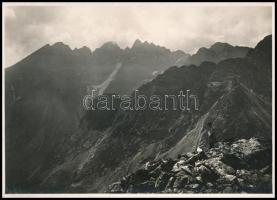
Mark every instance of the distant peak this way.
pixel 61 45
pixel 180 53
pixel 147 43
pixel 137 43
pixel 57 44
pixel 268 37
pixel 83 50
pixel 45 47
pixel 110 45
pixel 267 40
pixel 220 45
pixel 202 50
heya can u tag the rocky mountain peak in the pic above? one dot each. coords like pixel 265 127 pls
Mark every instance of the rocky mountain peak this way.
pixel 202 50
pixel 61 46
pixel 83 51
pixel 146 47
pixel 137 43
pixel 262 47
pixel 265 41
pixel 180 53
pixel 220 45
pixel 110 45
pixel 107 49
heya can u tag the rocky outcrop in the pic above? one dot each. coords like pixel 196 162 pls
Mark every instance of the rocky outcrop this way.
pixel 240 167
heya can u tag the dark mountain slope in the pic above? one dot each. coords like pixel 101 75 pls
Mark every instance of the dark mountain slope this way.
pixel 43 106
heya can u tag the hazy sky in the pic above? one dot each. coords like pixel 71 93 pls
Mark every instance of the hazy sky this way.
pixel 175 26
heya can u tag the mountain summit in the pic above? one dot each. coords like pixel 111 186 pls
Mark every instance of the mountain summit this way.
pixel 216 53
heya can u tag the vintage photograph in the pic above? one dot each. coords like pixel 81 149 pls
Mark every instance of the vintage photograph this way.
pixel 121 99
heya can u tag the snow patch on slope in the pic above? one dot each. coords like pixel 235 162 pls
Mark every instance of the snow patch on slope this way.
pixel 102 87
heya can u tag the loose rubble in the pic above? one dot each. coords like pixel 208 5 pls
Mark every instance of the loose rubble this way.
pixel 244 166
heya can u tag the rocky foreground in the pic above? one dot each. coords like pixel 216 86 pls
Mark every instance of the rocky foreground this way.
pixel 244 166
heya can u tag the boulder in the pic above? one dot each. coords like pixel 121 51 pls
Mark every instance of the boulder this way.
pixel 230 178
pixel 167 165
pixel 207 175
pixel 189 154
pixel 181 181
pixel 220 167
pixel 259 159
pixel 151 165
pixel 177 166
pixel 209 185
pixel 199 156
pixel 199 179
pixel 234 161
pixel 188 169
pixel 194 186
pixel 243 173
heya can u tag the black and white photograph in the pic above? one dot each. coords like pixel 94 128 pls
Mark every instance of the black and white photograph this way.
pixel 136 99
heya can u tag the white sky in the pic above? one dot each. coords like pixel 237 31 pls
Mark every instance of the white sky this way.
pixel 174 25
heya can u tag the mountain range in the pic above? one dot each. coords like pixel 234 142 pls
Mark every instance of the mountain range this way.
pixel 54 145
